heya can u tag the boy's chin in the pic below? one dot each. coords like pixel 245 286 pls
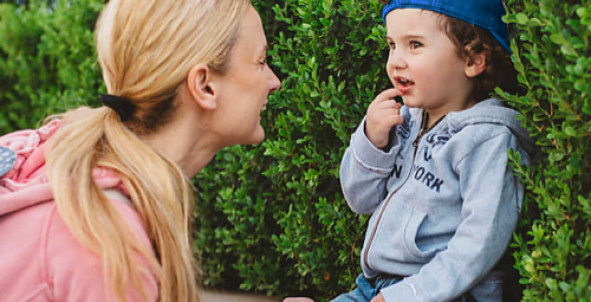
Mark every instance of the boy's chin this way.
pixel 409 102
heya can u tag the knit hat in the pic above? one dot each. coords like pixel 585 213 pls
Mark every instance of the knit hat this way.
pixel 486 14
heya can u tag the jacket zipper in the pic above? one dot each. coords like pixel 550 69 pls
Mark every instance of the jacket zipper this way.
pixel 415 144
pixel 373 233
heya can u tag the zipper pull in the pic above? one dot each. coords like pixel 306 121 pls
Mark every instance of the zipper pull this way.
pixel 415 143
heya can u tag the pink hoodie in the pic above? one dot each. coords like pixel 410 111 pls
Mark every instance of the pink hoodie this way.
pixel 40 260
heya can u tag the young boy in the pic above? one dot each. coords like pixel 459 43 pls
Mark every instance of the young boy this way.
pixel 434 172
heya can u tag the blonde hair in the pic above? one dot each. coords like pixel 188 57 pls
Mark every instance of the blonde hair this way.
pixel 145 49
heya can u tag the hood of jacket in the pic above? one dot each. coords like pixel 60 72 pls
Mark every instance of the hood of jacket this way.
pixel 490 111
pixel 24 182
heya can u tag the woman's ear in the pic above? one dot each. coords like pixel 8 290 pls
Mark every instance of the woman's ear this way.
pixel 476 64
pixel 201 88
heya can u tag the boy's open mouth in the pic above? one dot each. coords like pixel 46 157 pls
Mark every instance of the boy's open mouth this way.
pixel 404 84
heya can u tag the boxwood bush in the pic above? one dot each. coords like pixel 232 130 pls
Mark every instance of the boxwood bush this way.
pixel 279 220
pixel 47 60
pixel 271 218
pixel 554 64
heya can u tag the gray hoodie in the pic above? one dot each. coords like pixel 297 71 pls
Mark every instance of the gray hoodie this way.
pixel 443 208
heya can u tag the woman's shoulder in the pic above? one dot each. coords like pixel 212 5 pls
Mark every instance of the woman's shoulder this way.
pixel 76 273
pixel 58 232
pixel 22 252
pixel 52 264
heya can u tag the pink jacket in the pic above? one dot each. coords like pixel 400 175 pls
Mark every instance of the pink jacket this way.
pixel 40 260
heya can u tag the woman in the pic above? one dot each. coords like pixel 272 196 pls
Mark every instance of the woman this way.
pixel 95 206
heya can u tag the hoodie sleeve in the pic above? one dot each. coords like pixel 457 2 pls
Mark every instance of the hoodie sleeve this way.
pixel 364 171
pixel 491 197
pixel 75 273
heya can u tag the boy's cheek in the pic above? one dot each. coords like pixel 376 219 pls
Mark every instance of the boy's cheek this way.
pixel 389 71
pixel 393 84
pixel 392 81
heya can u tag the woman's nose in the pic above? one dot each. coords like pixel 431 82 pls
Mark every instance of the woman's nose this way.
pixel 274 82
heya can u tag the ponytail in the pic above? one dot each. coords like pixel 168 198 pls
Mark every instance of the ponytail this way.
pixel 160 193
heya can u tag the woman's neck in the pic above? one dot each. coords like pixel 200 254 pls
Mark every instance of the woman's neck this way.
pixel 185 139
pixel 189 150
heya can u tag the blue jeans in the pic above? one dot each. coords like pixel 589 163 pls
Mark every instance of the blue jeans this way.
pixel 365 291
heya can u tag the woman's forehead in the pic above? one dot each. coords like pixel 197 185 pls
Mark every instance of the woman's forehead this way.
pixel 251 33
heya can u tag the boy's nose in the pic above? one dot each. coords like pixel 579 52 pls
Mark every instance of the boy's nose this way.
pixel 396 60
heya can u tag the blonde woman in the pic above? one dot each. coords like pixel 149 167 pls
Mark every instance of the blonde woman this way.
pixel 95 206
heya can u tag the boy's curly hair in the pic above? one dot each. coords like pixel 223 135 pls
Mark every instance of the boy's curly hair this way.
pixel 471 40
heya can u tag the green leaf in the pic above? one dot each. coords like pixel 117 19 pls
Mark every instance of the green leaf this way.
pixel 521 18
pixel 533 22
pixel 568 50
pixel 570 131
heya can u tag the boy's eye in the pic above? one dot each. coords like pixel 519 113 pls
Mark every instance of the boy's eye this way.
pixel 415 45
pixel 392 45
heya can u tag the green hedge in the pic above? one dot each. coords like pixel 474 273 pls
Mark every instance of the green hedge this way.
pixel 554 64
pixel 279 220
pixel 271 217
pixel 47 61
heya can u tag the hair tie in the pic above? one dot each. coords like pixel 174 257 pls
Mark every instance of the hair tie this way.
pixel 122 106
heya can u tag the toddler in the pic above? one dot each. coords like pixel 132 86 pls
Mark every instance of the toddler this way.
pixel 434 173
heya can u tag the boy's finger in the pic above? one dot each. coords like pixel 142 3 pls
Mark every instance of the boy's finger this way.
pixel 381 106
pixel 388 95
pixel 398 120
pixel 393 120
pixel 390 111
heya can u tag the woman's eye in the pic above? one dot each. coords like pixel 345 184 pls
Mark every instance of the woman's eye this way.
pixel 392 45
pixel 415 45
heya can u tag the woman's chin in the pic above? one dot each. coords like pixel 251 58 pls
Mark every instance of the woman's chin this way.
pixel 259 137
pixel 256 138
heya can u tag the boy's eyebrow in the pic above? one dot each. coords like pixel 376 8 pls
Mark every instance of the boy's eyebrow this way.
pixel 413 36
pixel 409 36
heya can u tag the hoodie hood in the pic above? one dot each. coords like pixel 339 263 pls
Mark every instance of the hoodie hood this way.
pixel 490 111
pixel 25 183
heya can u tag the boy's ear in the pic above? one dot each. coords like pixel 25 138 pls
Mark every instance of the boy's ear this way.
pixel 476 64
pixel 201 87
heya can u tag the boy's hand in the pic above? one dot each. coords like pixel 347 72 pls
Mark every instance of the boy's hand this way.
pixel 383 114
pixel 378 298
